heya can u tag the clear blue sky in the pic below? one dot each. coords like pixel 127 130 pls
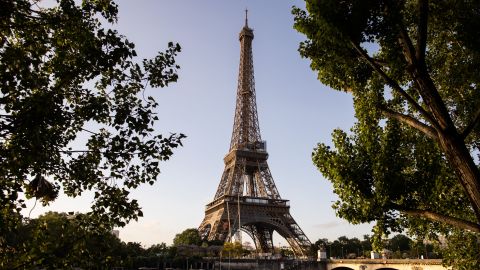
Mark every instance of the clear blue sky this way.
pixel 295 113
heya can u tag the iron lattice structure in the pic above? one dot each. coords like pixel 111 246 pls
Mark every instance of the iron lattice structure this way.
pixel 247 198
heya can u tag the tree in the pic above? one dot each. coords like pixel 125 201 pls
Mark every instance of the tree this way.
pixel 232 249
pixel 74 112
pixel 366 245
pixel 58 240
pixel 187 237
pixel 134 249
pixel 411 160
pixel 320 244
pixel 400 243
pixel 158 249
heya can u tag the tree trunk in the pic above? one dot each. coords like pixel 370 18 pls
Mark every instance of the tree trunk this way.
pixel 467 172
pixel 451 142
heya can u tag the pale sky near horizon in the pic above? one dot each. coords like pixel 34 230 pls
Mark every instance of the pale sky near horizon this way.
pixel 295 113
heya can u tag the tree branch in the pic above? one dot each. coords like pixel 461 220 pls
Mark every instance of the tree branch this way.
pixel 89 131
pixel 456 222
pixel 409 120
pixel 472 125
pixel 379 62
pixel 422 30
pixel 95 151
pixel 408 49
pixel 424 83
pixel 394 85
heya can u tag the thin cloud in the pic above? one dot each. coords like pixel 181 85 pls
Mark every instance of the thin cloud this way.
pixel 329 225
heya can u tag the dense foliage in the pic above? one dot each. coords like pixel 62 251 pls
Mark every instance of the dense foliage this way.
pixel 234 250
pixel 411 160
pixel 398 247
pixel 187 237
pixel 59 240
pixel 74 112
pixel 62 241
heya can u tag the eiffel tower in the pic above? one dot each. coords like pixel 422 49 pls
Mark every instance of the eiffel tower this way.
pixel 247 199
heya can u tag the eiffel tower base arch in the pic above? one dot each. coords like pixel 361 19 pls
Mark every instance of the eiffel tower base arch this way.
pixel 260 217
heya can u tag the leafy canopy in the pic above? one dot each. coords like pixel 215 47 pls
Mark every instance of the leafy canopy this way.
pixel 411 160
pixel 60 240
pixel 189 236
pixel 74 112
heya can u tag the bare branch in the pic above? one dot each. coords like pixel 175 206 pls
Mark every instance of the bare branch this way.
pixel 456 222
pixel 422 30
pixel 89 131
pixel 96 151
pixel 472 125
pixel 393 84
pixel 411 121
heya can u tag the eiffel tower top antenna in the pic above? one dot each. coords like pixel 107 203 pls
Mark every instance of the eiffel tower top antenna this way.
pixel 246 17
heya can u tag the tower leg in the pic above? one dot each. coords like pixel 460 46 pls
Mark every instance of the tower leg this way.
pixel 262 237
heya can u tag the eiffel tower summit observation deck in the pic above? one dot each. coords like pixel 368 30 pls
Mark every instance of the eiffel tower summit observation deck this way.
pixel 247 199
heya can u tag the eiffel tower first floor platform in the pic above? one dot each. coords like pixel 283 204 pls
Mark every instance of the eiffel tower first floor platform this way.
pixel 258 217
